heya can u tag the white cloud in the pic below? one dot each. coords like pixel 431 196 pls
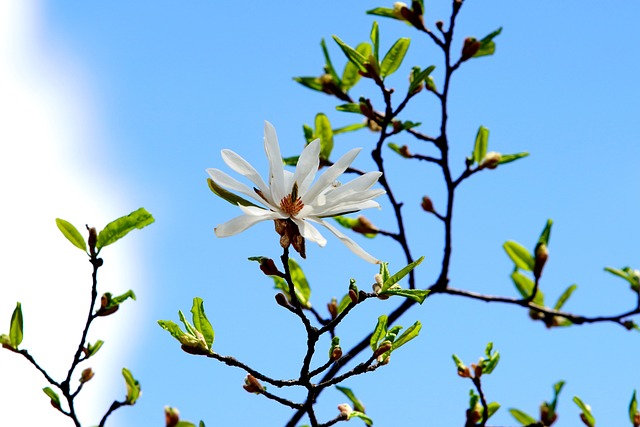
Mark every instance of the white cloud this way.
pixel 46 116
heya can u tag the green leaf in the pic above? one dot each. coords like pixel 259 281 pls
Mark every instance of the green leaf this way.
pixel 586 410
pixel 520 256
pixel 5 340
pixel 119 228
pixel 308 136
pixel 173 329
pixel 92 349
pixel 349 108
pixel 350 128
pixel 229 196
pixel 633 408
pixel 508 158
pixel 627 273
pixel 417 77
pixel 328 64
pixel 565 296
pixel 546 233
pixel 357 404
pixel 487 45
pixel 459 364
pixel 15 333
pixel 121 298
pixel 384 271
pixel 352 223
pixel 201 424
pixel 410 333
pixel 55 399
pixel 397 149
pixel 344 303
pixel 394 57
pixel 557 388
pixel 185 424
pixel 352 54
pixel 191 330
pixel 310 82
pixel 481 144
pixel 357 414
pixel 289 161
pixel 388 282
pixel 522 417
pixel 383 11
pixel 375 40
pixel 325 133
pixel 492 408
pixel 301 285
pixel 379 332
pixel 71 233
pixel 525 286
pixel 133 387
pixel 418 295
pixel 350 75
pixel 201 322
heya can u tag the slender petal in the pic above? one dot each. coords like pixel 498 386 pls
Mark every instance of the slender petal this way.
pixel 330 175
pixel 276 167
pixel 307 166
pixel 346 208
pixel 353 246
pixel 240 165
pixel 308 231
pixel 226 181
pixel 237 225
pixel 254 211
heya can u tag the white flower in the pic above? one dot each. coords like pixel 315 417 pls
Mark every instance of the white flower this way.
pixel 294 195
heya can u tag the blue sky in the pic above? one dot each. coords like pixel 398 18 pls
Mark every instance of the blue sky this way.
pixel 162 87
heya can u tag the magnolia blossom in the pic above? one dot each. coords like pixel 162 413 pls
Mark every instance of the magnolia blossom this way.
pixel 295 196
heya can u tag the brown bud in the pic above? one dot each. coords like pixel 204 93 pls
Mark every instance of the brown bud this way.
pixel 542 254
pixel 427 204
pixel 86 375
pixel 353 295
pixel 439 25
pixel 252 385
pixel 345 409
pixel 93 240
pixel 636 420
pixel 336 353
pixel 365 226
pixel 268 267
pixel 281 299
pixel 477 371
pixel 491 160
pixel 384 347
pixel 404 152
pixel 171 416
pixel 464 373
pixel 333 308
pixel 470 48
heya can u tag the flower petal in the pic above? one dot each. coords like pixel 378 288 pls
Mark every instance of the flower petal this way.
pixel 344 208
pixel 240 165
pixel 276 167
pixel 307 166
pixel 226 181
pixel 237 225
pixel 361 183
pixel 309 232
pixel 330 175
pixel 353 246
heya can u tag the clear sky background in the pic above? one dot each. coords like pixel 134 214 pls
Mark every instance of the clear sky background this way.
pixel 113 106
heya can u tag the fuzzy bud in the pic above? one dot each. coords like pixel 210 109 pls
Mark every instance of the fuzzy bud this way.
pixel 491 160
pixel 353 295
pixel 384 347
pixel 86 375
pixel 281 299
pixel 427 204
pixel 345 409
pixel 542 254
pixel 365 226
pixel 333 308
pixel 171 416
pixel 470 48
pixel 252 385
pixel 93 240
pixel 336 353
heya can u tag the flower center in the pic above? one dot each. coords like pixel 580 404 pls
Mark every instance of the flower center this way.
pixel 291 203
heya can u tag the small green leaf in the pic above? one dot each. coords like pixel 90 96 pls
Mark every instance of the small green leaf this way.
pixel 627 273
pixel 410 333
pixel 383 11
pixel 565 296
pixel 55 399
pixel 344 303
pixel 289 161
pixel 508 158
pixel 392 280
pixel 172 328
pixel 303 291
pixel 325 133
pixel 417 77
pixel 349 108
pixel 229 196
pixel 184 424
pixel 481 145
pixel 546 233
pixel 397 149
pixel 522 417
pixel 15 333
pixel 459 364
pixel 352 54
pixel 352 223
pixel 586 411
pixel 557 388
pixel 191 330
pixel 394 57
pixel 350 75
pixel 119 228
pixel 357 414
pixel 525 286
pixel 310 82
pixel 487 45
pixel 492 408
pixel 357 404
pixel 375 40
pixel 328 64
pixel 71 233
pixel 379 332
pixel 308 136
pixel 418 295
pixel 520 256
pixel 633 408
pixel 133 387
pixel 92 349
pixel 121 298
pixel 349 128
pixel 201 322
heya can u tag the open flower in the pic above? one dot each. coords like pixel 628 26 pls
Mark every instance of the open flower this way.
pixel 294 198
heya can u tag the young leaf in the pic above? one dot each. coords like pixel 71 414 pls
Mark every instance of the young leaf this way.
pixel 487 45
pixel 55 399
pixel 357 414
pixel 388 282
pixel 352 54
pixel 228 195
pixel 325 133
pixel 173 329
pixel 15 333
pixel 417 77
pixel 119 228
pixel 393 59
pixel 350 75
pixel 410 333
pixel 546 233
pixel 522 417
pixel 133 387
pixel 633 408
pixel 418 295
pixel 71 233
pixel 201 322
pixel 627 273
pixel 379 332
pixel 352 223
pixel 492 408
pixel 92 349
pixel 344 303
pixel 308 136
pixel 375 41
pixel 587 417
pixel 328 64
pixel 565 296
pixel 481 145
pixel 383 11
pixel 122 298
pixel 301 285
pixel 357 404
pixel 459 364
pixel 350 128
pixel 508 158
pixel 349 108
pixel 313 83
pixel 525 286
pixel 520 256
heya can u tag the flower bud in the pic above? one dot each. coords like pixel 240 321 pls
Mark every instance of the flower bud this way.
pixel 542 254
pixel 345 409
pixel 384 347
pixel 397 9
pixel 365 226
pixel 333 308
pixel 86 375
pixel 353 295
pixel 252 385
pixel 268 267
pixel 464 373
pixel 439 25
pixel 491 160
pixel 470 48
pixel 336 353
pixel 171 416
pixel 281 299
pixel 427 204
pixel 93 240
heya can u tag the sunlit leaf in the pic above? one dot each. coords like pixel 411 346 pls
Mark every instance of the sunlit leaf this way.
pixel 375 40
pixel 418 295
pixel 633 408
pixel 565 296
pixel 394 57
pixel 349 128
pixel 392 280
pixel 55 399
pixel 119 228
pixel 487 45
pixel 525 286
pixel 357 414
pixel 481 144
pixel 357 404
pixel 328 65
pixel 522 417
pixel 520 256
pixel 508 158
pixel 310 82
pixel 133 387
pixel 352 54
pixel 15 333
pixel 383 11
pixel 201 322
pixel 410 333
pixel 71 233
pixel 586 411
pixel 350 75
pixel 546 233
pixel 228 195
pixel 379 332
pixel 325 133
